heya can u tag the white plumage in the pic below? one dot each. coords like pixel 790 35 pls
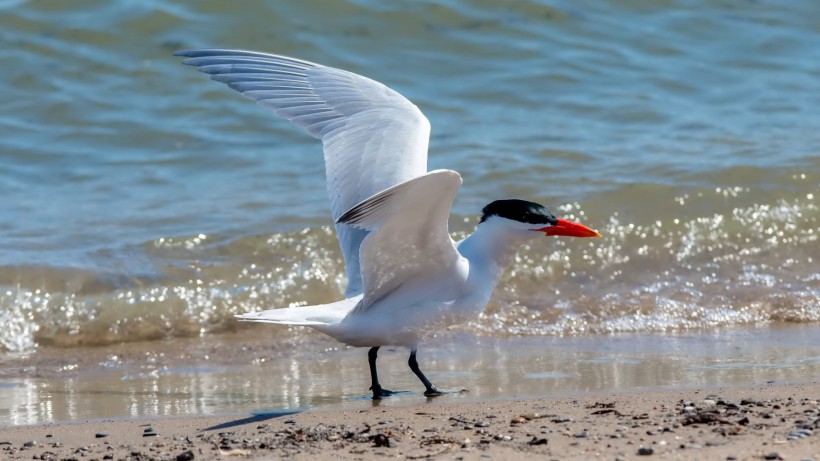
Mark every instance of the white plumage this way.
pixel 406 276
pixel 373 137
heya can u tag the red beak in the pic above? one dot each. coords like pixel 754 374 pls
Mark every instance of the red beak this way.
pixel 569 229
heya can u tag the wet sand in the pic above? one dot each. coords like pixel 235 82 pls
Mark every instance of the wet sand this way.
pixel 776 421
pixel 248 372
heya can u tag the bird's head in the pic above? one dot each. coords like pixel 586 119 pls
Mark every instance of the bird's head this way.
pixel 524 216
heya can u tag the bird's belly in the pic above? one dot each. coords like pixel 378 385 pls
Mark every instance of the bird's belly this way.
pixel 383 326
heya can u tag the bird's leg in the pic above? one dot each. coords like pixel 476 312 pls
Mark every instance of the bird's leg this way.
pixel 378 392
pixel 414 365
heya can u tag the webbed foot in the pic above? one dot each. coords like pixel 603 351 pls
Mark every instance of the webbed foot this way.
pixel 379 392
pixel 436 392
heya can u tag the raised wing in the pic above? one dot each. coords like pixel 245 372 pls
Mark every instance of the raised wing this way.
pixel 409 238
pixel 373 137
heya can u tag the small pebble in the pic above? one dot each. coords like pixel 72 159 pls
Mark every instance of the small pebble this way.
pixel 799 434
pixel 186 456
pixel 518 420
pixel 381 440
pixel 30 443
pixel 772 455
pixel 100 435
pixel 537 441
pixel 482 424
pixel 645 451
pixel 149 434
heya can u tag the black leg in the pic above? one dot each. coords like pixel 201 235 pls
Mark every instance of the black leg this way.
pixel 378 392
pixel 414 365
pixel 374 376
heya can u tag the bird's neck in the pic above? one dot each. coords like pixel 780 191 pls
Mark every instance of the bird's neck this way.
pixel 492 248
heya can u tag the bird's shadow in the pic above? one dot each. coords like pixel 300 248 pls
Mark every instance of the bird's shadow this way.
pixel 255 417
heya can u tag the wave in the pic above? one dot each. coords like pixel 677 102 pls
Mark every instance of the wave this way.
pixel 750 264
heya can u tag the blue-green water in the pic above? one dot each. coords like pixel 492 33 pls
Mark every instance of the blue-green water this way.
pixel 141 201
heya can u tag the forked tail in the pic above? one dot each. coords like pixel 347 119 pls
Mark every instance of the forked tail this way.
pixel 319 315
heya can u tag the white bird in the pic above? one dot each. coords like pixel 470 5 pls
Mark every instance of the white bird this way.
pixel 406 276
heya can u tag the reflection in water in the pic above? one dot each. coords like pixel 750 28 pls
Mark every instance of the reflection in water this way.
pixel 250 379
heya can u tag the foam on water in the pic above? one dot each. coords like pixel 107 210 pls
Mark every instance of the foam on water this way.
pixel 747 265
pixel 142 201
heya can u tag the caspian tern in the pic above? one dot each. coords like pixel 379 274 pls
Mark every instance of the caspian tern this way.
pixel 406 277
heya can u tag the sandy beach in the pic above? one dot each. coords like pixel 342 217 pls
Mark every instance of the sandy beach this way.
pixel 146 207
pixel 774 421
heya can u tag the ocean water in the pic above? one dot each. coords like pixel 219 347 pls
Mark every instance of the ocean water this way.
pixel 142 202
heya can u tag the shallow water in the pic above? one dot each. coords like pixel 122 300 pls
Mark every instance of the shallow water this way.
pixel 144 205
pixel 241 376
pixel 142 201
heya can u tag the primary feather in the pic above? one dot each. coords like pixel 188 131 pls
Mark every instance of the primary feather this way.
pixel 341 109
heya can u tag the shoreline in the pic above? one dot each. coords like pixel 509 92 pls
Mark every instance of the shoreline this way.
pixel 241 373
pixel 773 421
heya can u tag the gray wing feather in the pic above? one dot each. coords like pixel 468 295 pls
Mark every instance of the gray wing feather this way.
pixel 373 137
pixel 408 236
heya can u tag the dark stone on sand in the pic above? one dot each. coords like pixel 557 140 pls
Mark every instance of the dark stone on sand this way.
pixel 700 418
pixel 186 456
pixel 29 444
pixel 772 455
pixel 645 451
pixel 381 440
pixel 101 435
pixel 148 429
pixel 537 441
pixel 149 434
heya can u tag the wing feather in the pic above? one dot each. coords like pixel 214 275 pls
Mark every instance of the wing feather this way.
pixel 373 137
pixel 409 237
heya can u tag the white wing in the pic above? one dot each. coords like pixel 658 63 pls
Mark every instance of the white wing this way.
pixel 409 239
pixel 373 137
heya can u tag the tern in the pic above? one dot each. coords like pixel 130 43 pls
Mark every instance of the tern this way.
pixel 406 277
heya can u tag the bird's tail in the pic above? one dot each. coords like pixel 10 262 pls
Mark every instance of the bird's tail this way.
pixel 316 316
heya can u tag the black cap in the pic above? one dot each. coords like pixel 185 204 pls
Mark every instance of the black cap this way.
pixel 519 210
